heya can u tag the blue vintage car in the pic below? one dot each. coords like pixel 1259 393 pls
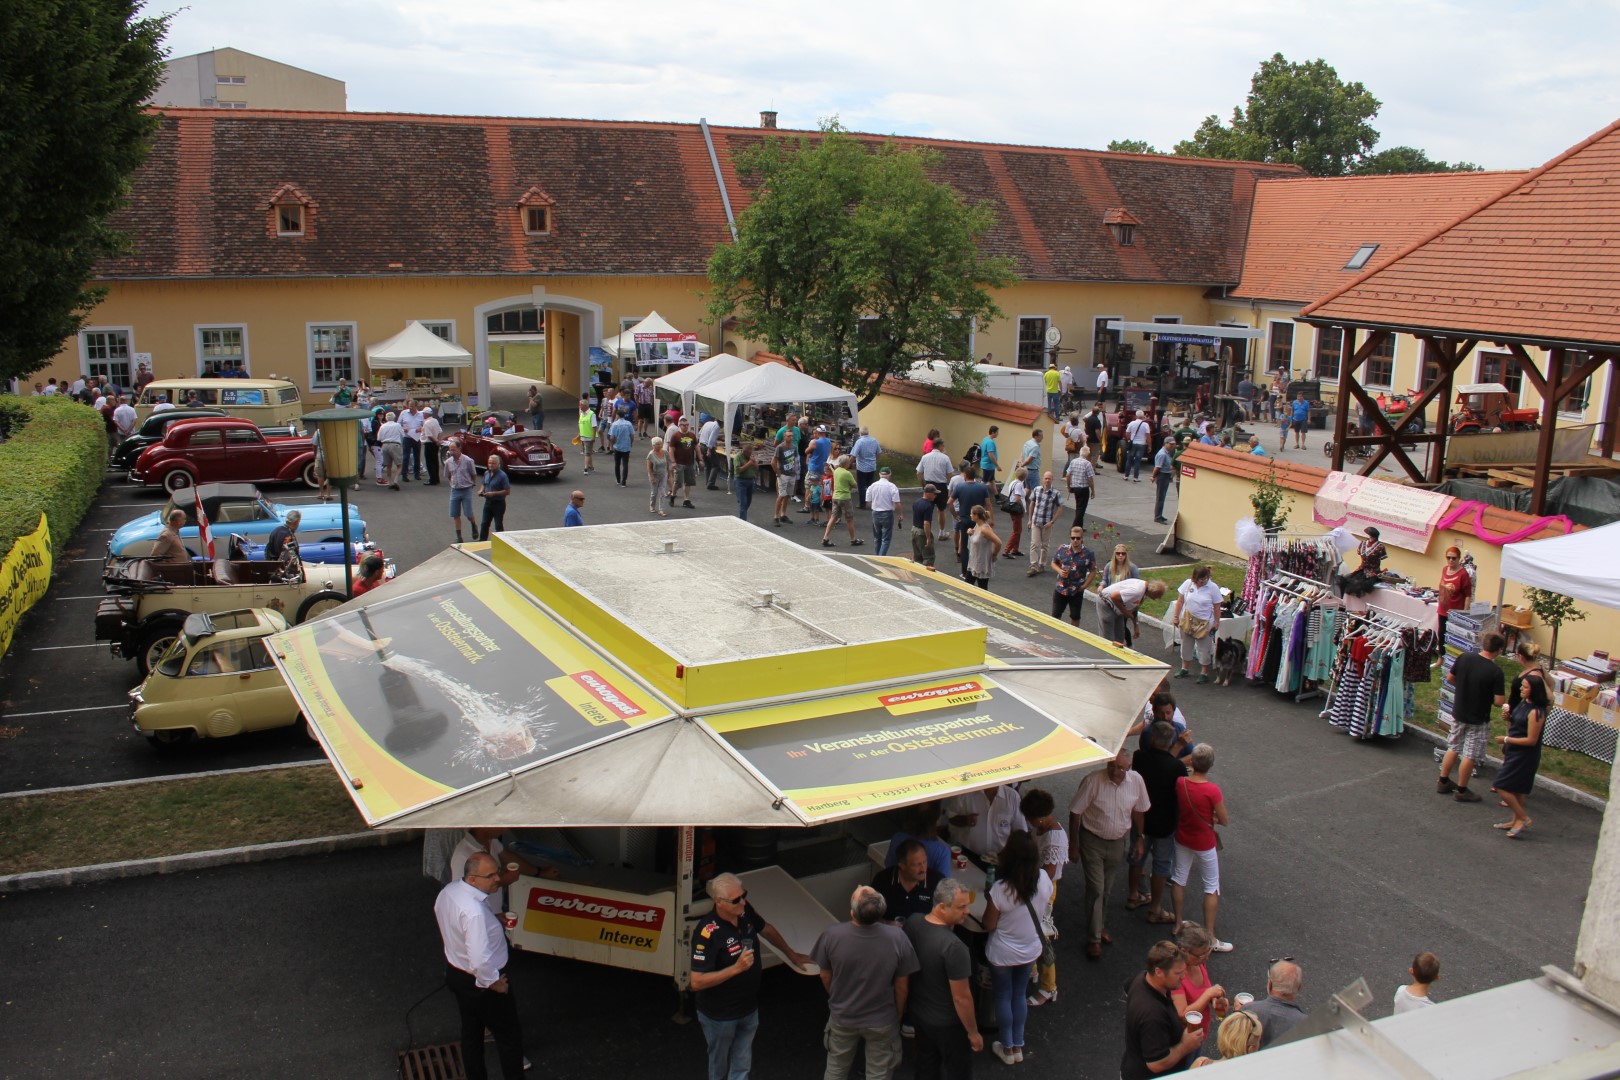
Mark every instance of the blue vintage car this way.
pixel 235 508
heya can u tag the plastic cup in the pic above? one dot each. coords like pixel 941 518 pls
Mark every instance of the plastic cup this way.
pixel 512 866
pixel 510 919
pixel 1195 1020
pixel 1244 1001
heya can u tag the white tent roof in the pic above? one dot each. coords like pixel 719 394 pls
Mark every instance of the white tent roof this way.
pixel 769 384
pixel 417 346
pixel 1579 565
pixel 684 381
pixel 624 345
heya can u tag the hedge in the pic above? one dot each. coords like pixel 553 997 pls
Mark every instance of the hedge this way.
pixel 52 462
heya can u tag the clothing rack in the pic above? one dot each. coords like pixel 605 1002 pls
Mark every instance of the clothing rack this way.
pixel 1302 588
pixel 1381 629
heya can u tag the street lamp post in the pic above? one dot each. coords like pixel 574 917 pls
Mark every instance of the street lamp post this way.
pixel 339 431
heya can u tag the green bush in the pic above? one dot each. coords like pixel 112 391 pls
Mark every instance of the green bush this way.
pixel 53 462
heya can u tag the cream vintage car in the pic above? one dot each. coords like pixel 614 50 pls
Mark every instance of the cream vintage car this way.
pixel 215 679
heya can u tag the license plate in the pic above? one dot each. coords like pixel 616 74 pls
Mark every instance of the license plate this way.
pixel 537 459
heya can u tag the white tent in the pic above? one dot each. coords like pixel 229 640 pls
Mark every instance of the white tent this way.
pixel 680 386
pixel 1008 383
pixel 416 347
pixel 1580 565
pixel 624 345
pixel 768 384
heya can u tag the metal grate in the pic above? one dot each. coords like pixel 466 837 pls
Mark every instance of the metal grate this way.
pixel 442 1062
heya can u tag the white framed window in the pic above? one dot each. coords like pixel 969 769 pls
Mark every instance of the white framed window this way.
pixel 289 218
pixel 1574 403
pixel 231 104
pixel 1499 367
pixel 105 350
pixel 446 329
pixel 331 353
pixel 232 80
pixel 1104 342
pixel 1358 261
pixel 1380 369
pixel 1329 352
pixel 1280 345
pixel 537 220
pixel 1032 341
pixel 220 348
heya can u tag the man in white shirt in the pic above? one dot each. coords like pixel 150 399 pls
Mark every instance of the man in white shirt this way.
pixel 389 436
pixel 475 957
pixel 1014 494
pixel 981 821
pixel 1121 603
pixel 1029 458
pixel 1106 806
pixel 884 498
pixel 936 468
pixel 410 424
pixel 488 841
pixel 1102 382
pixel 432 434
pixel 1138 434
pixel 78 386
pixel 123 421
pixel 708 439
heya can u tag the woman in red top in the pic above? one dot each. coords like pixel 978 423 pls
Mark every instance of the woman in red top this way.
pixel 1456 587
pixel 371 575
pixel 1198 992
pixel 1200 807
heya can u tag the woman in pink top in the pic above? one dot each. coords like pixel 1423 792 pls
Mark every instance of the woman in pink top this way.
pixel 1199 808
pixel 1197 992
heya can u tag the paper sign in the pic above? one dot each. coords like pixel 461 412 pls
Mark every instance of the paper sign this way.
pixel 1405 516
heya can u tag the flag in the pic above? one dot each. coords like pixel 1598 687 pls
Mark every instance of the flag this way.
pixel 203 533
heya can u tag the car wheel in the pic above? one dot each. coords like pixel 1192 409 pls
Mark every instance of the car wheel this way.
pixel 168 741
pixel 154 642
pixel 325 600
pixel 310 479
pixel 176 480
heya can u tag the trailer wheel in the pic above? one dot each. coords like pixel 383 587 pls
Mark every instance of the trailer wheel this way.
pixel 155 639
pixel 324 600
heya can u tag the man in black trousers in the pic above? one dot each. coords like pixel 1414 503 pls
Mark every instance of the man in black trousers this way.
pixel 475 968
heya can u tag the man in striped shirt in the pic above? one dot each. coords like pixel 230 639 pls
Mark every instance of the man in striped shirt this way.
pixel 1043 506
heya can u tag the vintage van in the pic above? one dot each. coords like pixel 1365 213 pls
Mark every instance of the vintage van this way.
pixel 266 402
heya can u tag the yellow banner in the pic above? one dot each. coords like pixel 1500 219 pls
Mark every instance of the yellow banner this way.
pixel 26 574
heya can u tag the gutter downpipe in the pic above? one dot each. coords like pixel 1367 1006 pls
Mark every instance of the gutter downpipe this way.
pixel 719 177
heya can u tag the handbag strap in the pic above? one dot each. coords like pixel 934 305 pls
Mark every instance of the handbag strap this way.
pixel 1030 907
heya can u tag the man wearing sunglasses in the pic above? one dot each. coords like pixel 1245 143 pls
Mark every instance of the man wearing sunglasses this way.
pixel 725 976
pixel 475 961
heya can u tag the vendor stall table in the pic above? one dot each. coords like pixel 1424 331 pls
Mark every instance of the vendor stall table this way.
pixel 1572 731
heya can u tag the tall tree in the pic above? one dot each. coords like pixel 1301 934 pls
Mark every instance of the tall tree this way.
pixel 72 133
pixel 852 263
pixel 1407 159
pixel 1132 146
pixel 1296 114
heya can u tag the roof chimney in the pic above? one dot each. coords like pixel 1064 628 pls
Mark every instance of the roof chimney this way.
pixel 767 118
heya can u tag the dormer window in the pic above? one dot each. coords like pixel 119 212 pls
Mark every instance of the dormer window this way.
pixel 290 211
pixel 535 209
pixel 1122 224
pixel 1359 259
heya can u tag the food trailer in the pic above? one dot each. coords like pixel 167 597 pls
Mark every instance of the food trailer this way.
pixel 639 693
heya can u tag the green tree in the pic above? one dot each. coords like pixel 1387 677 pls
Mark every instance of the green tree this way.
pixel 1554 610
pixel 72 133
pixel 1133 146
pixel 1296 114
pixel 852 263
pixel 1407 159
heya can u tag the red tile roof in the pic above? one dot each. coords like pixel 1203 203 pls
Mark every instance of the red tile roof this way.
pixel 440 195
pixel 1539 263
pixel 1302 233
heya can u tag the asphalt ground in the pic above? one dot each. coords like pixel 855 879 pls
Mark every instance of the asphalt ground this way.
pixel 1339 854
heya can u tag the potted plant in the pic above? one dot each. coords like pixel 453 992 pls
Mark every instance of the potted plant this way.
pixel 1271 502
pixel 1554 610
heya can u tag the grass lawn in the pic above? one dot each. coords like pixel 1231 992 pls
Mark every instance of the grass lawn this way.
pixel 50 832
pixel 1576 770
pixel 904 466
pixel 1228 577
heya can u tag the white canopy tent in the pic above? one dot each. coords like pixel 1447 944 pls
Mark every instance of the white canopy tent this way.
pixel 1008 383
pixel 680 386
pixel 768 384
pixel 1580 565
pixel 416 347
pixel 624 345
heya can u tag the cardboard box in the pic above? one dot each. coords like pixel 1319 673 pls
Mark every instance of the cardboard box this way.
pixel 1577 699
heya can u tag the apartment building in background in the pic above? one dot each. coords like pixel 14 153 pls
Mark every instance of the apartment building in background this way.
pixel 233 79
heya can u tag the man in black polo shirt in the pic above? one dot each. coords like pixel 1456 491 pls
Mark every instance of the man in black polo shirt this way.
pixel 725 976
pixel 940 1005
pixel 1156 1040
pixel 907 887
pixel 1160 771
pixel 1477 688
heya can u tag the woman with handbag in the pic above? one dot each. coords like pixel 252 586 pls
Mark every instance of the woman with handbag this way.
pixel 1016 940
pixel 1200 808
pixel 1197 614
pixel 1053 843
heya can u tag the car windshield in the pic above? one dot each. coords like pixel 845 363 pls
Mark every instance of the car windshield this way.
pixel 266 511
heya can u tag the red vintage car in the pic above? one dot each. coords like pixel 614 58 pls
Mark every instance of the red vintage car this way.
pixel 224 450
pixel 523 451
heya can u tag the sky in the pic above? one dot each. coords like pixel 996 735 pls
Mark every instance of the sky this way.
pixel 1502 84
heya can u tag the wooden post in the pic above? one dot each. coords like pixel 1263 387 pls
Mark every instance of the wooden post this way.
pixel 1611 408
pixel 1549 424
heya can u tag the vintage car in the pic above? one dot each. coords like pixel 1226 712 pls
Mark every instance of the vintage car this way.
pixel 235 508
pixel 523 452
pixel 330 551
pixel 151 600
pixel 215 679
pixel 151 432
pixel 224 450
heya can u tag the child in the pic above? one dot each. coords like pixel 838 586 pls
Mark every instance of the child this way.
pixel 1424 971
pixel 1053 843
pixel 813 494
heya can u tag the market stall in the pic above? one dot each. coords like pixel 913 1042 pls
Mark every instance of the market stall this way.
pixel 747 395
pixel 679 388
pixel 413 350
pixel 652 343
pixel 646 687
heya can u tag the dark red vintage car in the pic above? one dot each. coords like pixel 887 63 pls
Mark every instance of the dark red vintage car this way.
pixel 523 452
pixel 224 450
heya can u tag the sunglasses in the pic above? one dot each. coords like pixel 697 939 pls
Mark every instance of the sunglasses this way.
pixel 739 898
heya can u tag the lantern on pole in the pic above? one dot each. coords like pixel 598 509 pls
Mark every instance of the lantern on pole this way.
pixel 339 431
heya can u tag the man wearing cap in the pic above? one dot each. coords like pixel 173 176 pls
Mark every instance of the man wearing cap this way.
pixel 1054 389
pixel 922 526
pixel 818 450
pixel 1102 382
pixel 432 435
pixel 885 499
pixel 935 470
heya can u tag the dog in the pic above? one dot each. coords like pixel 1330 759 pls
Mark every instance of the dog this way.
pixel 1231 658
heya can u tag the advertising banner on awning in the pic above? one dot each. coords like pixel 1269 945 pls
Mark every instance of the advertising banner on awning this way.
pixel 440 690
pixel 673 349
pixel 856 753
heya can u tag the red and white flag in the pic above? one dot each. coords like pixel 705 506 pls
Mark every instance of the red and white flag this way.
pixel 203 532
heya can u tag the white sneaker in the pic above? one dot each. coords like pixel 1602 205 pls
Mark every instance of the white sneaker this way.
pixel 907 1031
pixel 1220 946
pixel 1007 1056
